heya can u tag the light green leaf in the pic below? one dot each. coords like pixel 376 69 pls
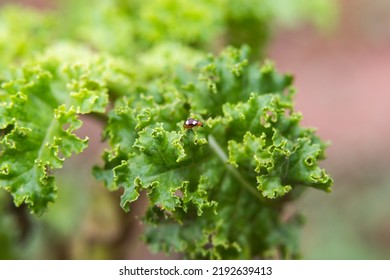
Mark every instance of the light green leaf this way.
pixel 41 102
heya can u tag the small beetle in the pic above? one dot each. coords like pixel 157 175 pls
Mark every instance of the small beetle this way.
pixel 191 123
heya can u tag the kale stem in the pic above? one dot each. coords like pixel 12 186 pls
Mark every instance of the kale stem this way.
pixel 222 155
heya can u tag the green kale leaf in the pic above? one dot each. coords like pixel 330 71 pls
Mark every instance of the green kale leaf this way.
pixel 41 101
pixel 215 191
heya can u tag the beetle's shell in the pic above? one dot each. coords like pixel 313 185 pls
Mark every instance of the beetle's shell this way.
pixel 191 123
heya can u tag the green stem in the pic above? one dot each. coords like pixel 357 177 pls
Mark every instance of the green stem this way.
pixel 222 155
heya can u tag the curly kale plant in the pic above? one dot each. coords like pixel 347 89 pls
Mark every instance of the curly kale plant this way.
pixel 216 191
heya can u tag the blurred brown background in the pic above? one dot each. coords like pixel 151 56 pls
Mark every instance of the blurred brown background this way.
pixel 342 89
pixel 342 80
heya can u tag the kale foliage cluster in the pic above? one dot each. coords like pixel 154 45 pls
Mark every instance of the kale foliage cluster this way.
pixel 214 192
